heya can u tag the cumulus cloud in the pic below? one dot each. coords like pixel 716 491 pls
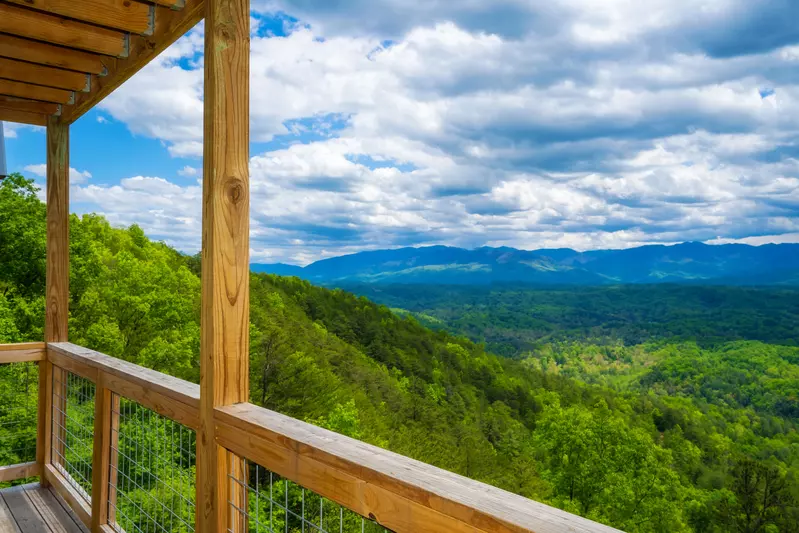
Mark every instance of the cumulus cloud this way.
pixel 76 177
pixel 509 122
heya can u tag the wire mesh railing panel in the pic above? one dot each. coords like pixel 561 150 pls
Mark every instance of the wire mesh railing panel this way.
pixel 269 503
pixel 152 474
pixel 72 438
pixel 19 400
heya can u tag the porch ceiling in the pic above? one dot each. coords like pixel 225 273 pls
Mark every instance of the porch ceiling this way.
pixel 61 57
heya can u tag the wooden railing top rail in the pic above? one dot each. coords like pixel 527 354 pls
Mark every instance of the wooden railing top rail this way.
pixel 22 352
pixel 400 493
pixel 169 396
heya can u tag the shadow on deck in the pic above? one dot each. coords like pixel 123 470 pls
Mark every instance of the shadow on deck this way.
pixel 33 508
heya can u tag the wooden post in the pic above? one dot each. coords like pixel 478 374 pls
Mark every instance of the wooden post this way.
pixel 103 454
pixel 224 346
pixel 57 283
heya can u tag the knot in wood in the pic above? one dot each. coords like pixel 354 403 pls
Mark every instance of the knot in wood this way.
pixel 234 190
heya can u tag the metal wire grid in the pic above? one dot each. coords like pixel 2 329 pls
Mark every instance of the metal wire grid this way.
pixel 278 505
pixel 73 429
pixel 19 399
pixel 152 480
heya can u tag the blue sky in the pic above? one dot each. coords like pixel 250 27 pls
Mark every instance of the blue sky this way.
pixel 384 123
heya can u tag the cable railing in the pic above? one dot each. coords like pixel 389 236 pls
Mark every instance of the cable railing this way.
pixel 121 444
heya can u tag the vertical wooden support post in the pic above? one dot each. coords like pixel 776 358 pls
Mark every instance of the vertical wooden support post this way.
pixel 57 284
pixel 224 347
pixel 101 455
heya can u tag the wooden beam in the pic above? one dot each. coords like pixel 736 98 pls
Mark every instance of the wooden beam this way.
pixel 173 4
pixel 41 75
pixel 22 117
pixel 124 15
pixel 54 56
pixel 101 455
pixel 31 106
pixel 169 27
pixel 20 471
pixel 34 92
pixel 56 313
pixel 57 30
pixel 224 332
pixel 22 352
pixel 402 494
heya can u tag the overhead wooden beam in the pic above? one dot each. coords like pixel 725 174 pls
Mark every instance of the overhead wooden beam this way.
pixel 169 27
pixel 224 325
pixel 57 30
pixel 22 117
pixel 41 75
pixel 31 106
pixel 174 4
pixel 54 56
pixel 122 15
pixel 35 92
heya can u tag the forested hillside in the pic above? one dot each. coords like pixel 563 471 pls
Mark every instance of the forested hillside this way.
pixel 666 436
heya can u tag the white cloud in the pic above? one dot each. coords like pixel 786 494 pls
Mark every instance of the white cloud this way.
pixel 513 122
pixel 76 177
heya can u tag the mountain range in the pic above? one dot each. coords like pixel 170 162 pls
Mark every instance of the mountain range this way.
pixel 690 262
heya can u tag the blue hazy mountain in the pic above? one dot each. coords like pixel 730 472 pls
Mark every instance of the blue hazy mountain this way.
pixel 691 262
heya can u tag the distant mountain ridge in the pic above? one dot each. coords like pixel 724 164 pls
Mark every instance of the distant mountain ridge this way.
pixel 690 262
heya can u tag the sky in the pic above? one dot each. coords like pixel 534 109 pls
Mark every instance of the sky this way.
pixel 387 123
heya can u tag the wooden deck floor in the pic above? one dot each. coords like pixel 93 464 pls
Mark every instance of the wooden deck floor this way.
pixel 31 508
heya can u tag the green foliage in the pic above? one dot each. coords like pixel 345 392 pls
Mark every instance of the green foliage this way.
pixel 651 410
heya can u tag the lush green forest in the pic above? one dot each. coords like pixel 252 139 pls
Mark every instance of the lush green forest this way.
pixel 633 424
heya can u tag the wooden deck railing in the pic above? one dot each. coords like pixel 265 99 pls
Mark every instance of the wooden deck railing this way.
pixel 282 472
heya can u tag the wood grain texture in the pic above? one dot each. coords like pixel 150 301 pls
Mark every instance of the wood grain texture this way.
pixel 60 31
pixel 7 522
pixel 76 503
pixel 22 117
pixel 34 92
pixel 372 481
pixel 101 456
pixel 57 283
pixel 224 335
pixel 174 398
pixel 119 14
pixel 173 4
pixel 24 513
pixel 42 75
pixel 53 515
pixel 170 25
pixel 31 106
pixel 20 471
pixel 22 352
pixel 44 422
pixel 48 54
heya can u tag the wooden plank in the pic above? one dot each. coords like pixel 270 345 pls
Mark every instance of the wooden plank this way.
pixel 151 381
pixel 25 514
pixel 20 471
pixel 22 117
pixel 41 75
pixel 48 54
pixel 22 352
pixel 54 516
pixel 101 455
pixel 79 506
pixel 73 366
pixel 60 31
pixel 224 331
pixel 35 92
pixel 65 506
pixel 113 472
pixel 371 477
pixel 44 424
pixel 31 106
pixel 57 281
pixel 7 522
pixel 169 26
pixel 56 293
pixel 173 4
pixel 118 14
